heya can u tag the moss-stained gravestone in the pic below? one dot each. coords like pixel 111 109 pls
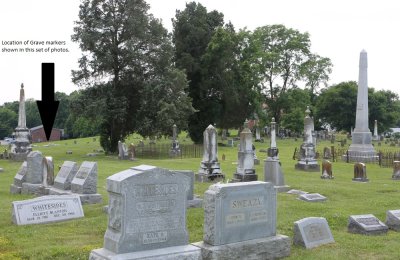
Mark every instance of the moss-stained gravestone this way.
pixel 147 216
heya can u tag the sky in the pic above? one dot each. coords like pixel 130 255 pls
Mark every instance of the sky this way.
pixel 339 30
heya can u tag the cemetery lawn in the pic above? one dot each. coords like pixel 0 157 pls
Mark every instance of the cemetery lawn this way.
pixel 75 239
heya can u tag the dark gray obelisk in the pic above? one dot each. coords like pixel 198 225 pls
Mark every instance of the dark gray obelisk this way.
pixel 361 149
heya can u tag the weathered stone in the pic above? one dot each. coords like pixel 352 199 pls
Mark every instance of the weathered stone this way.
pixel 65 175
pixel 46 209
pixel 35 165
pixel 239 211
pixel 308 160
pixel 327 170
pixel 297 192
pixel 396 170
pixel 245 170
pixel 312 232
pixel 327 153
pixel 20 177
pixel 366 225
pixel 158 217
pixel 122 151
pixel 360 172
pixel 312 197
pixel 393 219
pixel 85 180
pixel 209 167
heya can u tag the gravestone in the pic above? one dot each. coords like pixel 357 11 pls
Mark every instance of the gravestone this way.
pixel 312 197
pixel 396 170
pixel 175 149
pixel 296 192
pixel 22 145
pixel 132 152
pixel 327 170
pixel 19 178
pixel 366 225
pixel 375 137
pixel 65 175
pixel 46 209
pixel 308 160
pixel 192 201
pixel 327 153
pixel 272 166
pixel 38 173
pixel 122 151
pixel 393 219
pixel 312 232
pixel 360 172
pixel 240 222
pixel 147 216
pixel 85 183
pixel 209 167
pixel 245 170
pixel 231 143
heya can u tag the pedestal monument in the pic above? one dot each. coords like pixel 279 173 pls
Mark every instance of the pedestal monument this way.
pixel 361 149
pixel 272 166
pixel 307 160
pixel 22 145
pixel 245 170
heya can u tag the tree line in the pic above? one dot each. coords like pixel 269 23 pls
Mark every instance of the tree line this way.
pixel 136 77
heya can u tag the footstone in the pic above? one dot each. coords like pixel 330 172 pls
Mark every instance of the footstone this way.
pixel 366 225
pixel 46 209
pixel 393 219
pixel 297 192
pixel 262 248
pixel 239 211
pixel 65 175
pixel 312 232
pixel 312 197
pixel 147 216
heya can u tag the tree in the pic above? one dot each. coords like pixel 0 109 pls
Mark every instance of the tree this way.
pixel 337 107
pixel 281 59
pixel 192 31
pixel 8 122
pixel 296 100
pixel 227 78
pixel 125 52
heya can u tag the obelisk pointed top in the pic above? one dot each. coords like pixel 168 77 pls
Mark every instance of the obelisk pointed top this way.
pixel 22 85
pixel 21 110
pixel 363 51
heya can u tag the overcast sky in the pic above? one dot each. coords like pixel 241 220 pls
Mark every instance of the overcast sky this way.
pixel 338 29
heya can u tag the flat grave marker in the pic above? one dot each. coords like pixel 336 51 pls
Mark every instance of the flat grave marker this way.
pixel 312 197
pixel 366 224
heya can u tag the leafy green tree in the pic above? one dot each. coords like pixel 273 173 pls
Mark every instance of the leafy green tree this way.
pixel 384 106
pixel 126 51
pixel 281 59
pixel 296 101
pixel 192 31
pixel 8 122
pixel 336 105
pixel 32 113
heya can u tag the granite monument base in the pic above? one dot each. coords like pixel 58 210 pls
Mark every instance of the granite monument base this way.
pixel 14 189
pixel 244 177
pixel 262 248
pixel 204 177
pixel 18 157
pixel 34 189
pixel 85 198
pixel 187 252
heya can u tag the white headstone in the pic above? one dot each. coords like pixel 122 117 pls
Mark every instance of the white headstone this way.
pixel 46 209
pixel 312 232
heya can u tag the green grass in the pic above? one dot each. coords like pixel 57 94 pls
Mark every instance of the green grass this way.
pixel 76 238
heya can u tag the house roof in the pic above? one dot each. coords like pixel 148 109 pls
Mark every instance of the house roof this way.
pixel 41 126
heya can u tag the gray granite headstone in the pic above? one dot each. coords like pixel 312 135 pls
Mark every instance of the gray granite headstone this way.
pixel 312 232
pixel 65 175
pixel 147 215
pixel 19 178
pixel 239 211
pixel 85 180
pixel 393 219
pixel 312 197
pixel 34 174
pixel 46 209
pixel 366 225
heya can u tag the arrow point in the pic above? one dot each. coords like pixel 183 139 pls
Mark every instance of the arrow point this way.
pixel 47 111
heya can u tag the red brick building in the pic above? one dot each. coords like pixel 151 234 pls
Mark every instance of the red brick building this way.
pixel 38 134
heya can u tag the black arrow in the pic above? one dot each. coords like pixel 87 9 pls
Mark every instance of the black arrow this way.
pixel 47 107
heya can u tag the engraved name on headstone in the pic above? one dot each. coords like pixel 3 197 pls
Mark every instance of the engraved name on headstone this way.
pixel 46 209
pixel 65 175
pixel 366 225
pixel 85 180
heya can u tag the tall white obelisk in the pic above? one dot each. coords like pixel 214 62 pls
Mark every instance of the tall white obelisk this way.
pixel 361 148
